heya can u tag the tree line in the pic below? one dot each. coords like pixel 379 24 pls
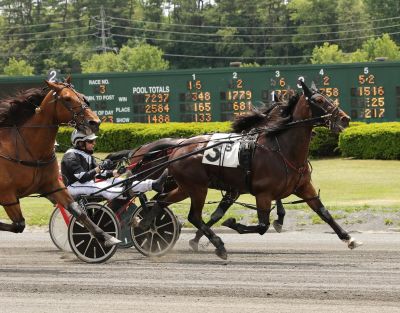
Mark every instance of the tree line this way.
pixel 76 36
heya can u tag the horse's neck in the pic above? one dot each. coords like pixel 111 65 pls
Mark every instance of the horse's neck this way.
pixel 295 144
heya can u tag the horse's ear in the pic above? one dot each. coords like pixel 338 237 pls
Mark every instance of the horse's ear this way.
pixel 68 79
pixel 306 90
pixel 314 87
pixel 53 86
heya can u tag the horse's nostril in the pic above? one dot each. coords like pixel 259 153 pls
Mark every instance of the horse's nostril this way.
pixel 345 120
pixel 94 125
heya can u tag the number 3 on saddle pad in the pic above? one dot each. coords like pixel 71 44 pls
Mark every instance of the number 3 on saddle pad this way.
pixel 225 154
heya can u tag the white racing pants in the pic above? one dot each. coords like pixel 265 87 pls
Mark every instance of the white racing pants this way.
pixel 77 189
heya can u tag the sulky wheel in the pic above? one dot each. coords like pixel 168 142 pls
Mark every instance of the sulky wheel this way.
pixel 82 242
pixel 162 235
pixel 58 228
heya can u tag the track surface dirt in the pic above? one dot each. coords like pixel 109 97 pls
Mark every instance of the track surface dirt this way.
pixel 287 272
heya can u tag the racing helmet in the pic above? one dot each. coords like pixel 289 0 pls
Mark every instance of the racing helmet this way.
pixel 78 136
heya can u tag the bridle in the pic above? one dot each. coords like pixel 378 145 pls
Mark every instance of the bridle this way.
pixel 331 112
pixel 78 120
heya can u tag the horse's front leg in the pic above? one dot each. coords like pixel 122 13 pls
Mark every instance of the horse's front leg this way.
pixel 226 202
pixel 308 192
pixel 13 210
pixel 64 198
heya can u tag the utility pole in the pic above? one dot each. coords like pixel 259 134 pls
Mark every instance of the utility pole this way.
pixel 103 30
pixel 102 27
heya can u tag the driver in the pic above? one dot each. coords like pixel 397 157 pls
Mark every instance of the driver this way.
pixel 79 170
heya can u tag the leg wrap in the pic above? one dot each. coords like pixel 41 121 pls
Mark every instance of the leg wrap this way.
pixel 325 214
pixel 19 226
pixel 262 228
pixel 216 215
pixel 216 241
pixel 75 209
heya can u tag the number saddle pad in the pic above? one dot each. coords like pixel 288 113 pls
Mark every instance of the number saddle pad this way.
pixel 226 154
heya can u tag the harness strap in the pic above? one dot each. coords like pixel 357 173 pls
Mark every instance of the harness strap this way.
pixel 300 170
pixel 51 192
pixel 246 152
pixel 10 203
pixel 38 163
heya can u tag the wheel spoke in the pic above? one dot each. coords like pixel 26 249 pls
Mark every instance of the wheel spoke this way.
pixel 87 247
pixel 163 225
pixel 83 234
pixel 144 242
pixel 141 234
pixel 163 239
pixel 102 249
pixel 101 217
pixel 151 242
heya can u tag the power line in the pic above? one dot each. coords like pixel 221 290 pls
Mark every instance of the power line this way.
pixel 252 43
pixel 259 27
pixel 7 55
pixel 45 24
pixel 236 58
pixel 47 32
pixel 251 35
pixel 47 38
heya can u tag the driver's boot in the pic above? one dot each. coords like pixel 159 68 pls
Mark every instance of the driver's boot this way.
pixel 158 184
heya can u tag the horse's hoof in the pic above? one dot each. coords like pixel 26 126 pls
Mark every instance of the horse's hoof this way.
pixel 111 242
pixel 144 225
pixel 352 243
pixel 135 222
pixel 277 226
pixel 221 252
pixel 194 245
pixel 229 222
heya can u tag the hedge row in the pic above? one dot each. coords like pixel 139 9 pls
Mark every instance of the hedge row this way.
pixel 115 137
pixel 365 141
pixel 372 141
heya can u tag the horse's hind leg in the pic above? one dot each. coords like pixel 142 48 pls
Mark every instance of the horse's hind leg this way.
pixel 280 210
pixel 263 213
pixel 226 202
pixel 308 192
pixel 14 213
pixel 198 197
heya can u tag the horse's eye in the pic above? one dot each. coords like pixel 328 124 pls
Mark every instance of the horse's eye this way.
pixel 67 99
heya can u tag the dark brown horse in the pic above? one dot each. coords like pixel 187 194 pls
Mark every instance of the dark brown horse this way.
pixel 28 128
pixel 152 154
pixel 279 166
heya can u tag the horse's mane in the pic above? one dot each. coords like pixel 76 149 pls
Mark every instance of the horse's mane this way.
pixel 18 109
pixel 274 115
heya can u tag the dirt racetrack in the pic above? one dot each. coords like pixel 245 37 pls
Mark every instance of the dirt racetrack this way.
pixel 287 272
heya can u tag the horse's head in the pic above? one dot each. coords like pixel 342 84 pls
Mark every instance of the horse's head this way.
pixel 321 106
pixel 73 107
